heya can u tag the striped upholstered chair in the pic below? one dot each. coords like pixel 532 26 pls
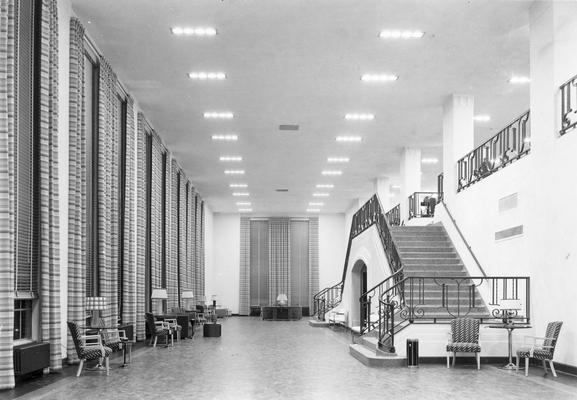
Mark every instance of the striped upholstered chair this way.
pixel 540 348
pixel 464 339
pixel 88 347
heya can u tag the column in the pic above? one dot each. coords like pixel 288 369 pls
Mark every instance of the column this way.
pixel 458 138
pixel 410 173
pixel 382 187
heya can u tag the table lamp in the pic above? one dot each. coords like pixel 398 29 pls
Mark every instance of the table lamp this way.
pixel 95 305
pixel 159 295
pixel 282 299
pixel 187 295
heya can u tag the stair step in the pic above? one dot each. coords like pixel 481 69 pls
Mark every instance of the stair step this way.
pixel 431 261
pixel 371 358
pixel 423 243
pixel 433 267
pixel 423 249
pixel 428 254
pixel 403 229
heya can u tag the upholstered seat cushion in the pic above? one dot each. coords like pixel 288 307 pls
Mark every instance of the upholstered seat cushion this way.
pixel 539 354
pixel 463 347
pixel 94 353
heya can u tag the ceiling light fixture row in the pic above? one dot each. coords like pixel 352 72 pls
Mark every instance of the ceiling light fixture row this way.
pixel 244 203
pixel 321 194
pixel 238 185
pixel 230 158
pixel 234 172
pixel 359 117
pixel 482 118
pixel 401 34
pixel 218 115
pixel 379 78
pixel 190 31
pixel 337 159
pixel 227 138
pixel 350 139
pixel 325 186
pixel 313 210
pixel 332 172
pixel 207 76
pixel 430 160
pixel 519 80
pixel 316 204
pixel 241 194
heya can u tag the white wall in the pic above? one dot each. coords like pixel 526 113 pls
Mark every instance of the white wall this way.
pixel 332 249
pixel 209 279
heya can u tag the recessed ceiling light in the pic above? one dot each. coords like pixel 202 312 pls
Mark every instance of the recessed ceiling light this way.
pixel 207 76
pixel 245 209
pixel 218 115
pixel 359 117
pixel 338 159
pixel 316 204
pixel 349 139
pixel 189 31
pixel 243 203
pixel 238 185
pixel 519 79
pixel 332 172
pixel 396 187
pixel 241 194
pixel 430 160
pixel 321 194
pixel 325 186
pixel 230 138
pixel 313 210
pixel 234 172
pixel 482 118
pixel 378 78
pixel 401 34
pixel 230 158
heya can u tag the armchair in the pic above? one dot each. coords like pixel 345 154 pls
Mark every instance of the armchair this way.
pixel 541 348
pixel 173 325
pixel 464 338
pixel 88 347
pixel 157 329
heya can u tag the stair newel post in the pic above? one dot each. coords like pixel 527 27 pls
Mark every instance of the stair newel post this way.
pixel 391 308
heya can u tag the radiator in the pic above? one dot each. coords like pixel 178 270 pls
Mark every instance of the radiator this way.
pixel 31 357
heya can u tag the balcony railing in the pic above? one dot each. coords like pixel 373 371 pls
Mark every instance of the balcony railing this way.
pixel 422 204
pixel 510 144
pixel 568 105
pixel 393 216
pixel 440 189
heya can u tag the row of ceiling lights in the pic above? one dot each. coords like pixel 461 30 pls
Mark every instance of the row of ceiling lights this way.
pixel 245 206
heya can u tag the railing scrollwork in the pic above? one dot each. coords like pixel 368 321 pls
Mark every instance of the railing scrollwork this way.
pixel 568 105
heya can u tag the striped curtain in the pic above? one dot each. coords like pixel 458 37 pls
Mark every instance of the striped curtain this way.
pixel 141 245
pixel 244 289
pixel 313 258
pixel 156 198
pixel 77 185
pixel 173 231
pixel 108 147
pixel 7 187
pixel 49 222
pixel 201 250
pixel 129 275
pixel 190 240
pixel 185 284
pixel 199 288
pixel 279 258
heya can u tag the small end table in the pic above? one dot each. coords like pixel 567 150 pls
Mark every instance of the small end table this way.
pixel 510 328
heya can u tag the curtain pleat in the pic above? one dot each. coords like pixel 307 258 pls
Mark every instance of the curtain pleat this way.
pixel 182 234
pixel 244 289
pixel 279 258
pixel 172 214
pixel 201 249
pixel 141 227
pixel 156 213
pixel 197 238
pixel 313 258
pixel 129 274
pixel 190 244
pixel 77 185
pixel 49 219
pixel 7 187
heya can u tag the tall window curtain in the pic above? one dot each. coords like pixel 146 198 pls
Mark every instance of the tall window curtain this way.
pixel 49 222
pixel 259 263
pixel 173 267
pixel 199 289
pixel 185 283
pixel 77 184
pixel 7 187
pixel 108 147
pixel 156 199
pixel 129 315
pixel 299 263
pixel 313 258
pixel 279 258
pixel 201 249
pixel 244 275
pixel 141 225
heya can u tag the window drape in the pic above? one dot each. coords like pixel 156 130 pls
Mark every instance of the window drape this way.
pixel 279 258
pixel 244 273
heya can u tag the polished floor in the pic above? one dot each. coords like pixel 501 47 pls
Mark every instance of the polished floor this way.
pixel 257 359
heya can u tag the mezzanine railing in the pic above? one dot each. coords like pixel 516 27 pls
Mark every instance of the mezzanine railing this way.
pixel 435 299
pixel 510 144
pixel 393 216
pixel 422 204
pixel 568 105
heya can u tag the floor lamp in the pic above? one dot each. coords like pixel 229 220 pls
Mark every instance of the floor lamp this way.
pixel 186 296
pixel 95 305
pixel 159 295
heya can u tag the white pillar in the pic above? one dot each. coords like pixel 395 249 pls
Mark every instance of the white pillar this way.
pixel 410 172
pixel 458 138
pixel 383 190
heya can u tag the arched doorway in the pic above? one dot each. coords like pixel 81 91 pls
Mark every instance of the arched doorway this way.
pixel 358 310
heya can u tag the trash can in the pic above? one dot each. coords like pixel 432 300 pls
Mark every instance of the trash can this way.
pixel 412 352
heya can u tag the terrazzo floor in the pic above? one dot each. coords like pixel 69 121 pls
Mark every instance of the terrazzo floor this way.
pixel 257 359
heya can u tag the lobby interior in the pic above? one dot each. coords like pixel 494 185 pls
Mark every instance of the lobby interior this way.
pixel 358 163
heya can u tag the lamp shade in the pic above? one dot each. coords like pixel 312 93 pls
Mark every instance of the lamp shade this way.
pixel 96 303
pixel 160 294
pixel 282 297
pixel 187 294
pixel 214 297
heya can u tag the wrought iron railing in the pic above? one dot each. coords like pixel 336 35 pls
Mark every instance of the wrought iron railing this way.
pixel 433 299
pixel 393 216
pixel 440 189
pixel 422 204
pixel 568 105
pixel 327 299
pixel 368 320
pixel 510 144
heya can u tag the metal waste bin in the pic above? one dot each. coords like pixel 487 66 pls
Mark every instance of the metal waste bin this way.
pixel 412 352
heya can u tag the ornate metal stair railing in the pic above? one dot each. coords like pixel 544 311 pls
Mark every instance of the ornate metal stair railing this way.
pixel 327 299
pixel 440 189
pixel 394 215
pixel 510 144
pixel 568 105
pixel 419 205
pixel 434 299
pixel 375 293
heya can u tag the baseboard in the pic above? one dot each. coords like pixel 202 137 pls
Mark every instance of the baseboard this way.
pixel 465 360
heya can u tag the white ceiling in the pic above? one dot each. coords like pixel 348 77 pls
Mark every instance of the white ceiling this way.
pixel 300 62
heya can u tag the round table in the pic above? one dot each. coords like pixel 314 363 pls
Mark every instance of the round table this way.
pixel 510 328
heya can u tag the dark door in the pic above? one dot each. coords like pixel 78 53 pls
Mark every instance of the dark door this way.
pixel 364 305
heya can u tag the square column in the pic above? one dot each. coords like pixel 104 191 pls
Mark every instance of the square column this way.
pixel 458 138
pixel 383 190
pixel 410 172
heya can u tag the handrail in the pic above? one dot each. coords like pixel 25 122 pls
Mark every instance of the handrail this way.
pixel 394 215
pixel 327 299
pixel 463 238
pixel 568 98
